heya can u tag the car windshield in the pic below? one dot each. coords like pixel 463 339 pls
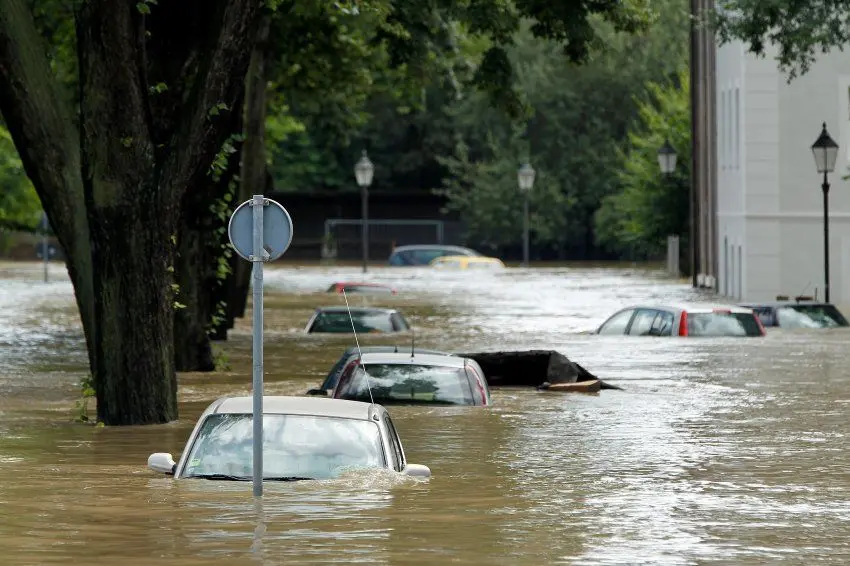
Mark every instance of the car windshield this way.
pixel 409 383
pixel 723 324
pixel 293 446
pixel 810 316
pixel 364 321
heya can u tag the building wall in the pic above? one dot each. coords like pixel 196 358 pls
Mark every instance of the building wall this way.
pixel 770 206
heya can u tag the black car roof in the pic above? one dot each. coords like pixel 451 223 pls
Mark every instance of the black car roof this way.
pixel 356 309
pixel 775 304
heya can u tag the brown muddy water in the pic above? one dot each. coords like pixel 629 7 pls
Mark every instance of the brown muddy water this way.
pixel 717 451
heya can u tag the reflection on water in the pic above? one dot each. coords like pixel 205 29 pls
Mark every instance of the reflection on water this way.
pixel 718 450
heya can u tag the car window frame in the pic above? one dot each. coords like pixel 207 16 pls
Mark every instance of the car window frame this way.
pixel 396 451
pixel 653 312
pixel 614 316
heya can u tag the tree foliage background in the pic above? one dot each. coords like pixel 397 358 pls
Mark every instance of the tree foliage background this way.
pixel 345 79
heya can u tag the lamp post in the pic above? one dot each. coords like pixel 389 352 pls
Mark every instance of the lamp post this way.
pixel 525 179
pixel 667 163
pixel 363 171
pixel 825 151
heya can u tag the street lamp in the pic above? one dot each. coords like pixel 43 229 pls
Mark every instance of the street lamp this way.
pixel 667 158
pixel 525 179
pixel 363 171
pixel 825 151
pixel 667 163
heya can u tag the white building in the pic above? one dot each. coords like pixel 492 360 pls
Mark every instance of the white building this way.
pixel 769 220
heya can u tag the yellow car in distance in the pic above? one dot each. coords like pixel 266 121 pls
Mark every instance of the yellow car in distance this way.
pixel 466 262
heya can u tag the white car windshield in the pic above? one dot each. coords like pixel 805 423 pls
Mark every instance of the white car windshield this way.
pixel 294 446
pixel 409 383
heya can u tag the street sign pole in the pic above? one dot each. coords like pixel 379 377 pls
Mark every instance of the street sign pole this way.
pixel 44 249
pixel 260 230
pixel 258 204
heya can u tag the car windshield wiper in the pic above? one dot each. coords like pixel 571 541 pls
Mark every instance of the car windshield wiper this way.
pixel 219 477
pixel 286 478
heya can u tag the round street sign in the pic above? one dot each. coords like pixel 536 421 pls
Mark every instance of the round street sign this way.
pixel 277 230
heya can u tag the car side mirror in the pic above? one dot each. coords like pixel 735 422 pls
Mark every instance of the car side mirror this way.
pixel 319 392
pixel 162 462
pixel 417 471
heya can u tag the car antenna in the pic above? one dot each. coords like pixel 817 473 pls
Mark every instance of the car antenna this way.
pixel 412 342
pixel 359 351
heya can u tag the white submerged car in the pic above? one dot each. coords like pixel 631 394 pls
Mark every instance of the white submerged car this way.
pixel 304 438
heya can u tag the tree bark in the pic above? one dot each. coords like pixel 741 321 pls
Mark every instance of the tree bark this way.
pixel 254 177
pixel 113 189
pixel 37 115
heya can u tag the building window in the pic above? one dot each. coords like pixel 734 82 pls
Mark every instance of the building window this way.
pixel 737 131
pixel 721 135
pixel 740 276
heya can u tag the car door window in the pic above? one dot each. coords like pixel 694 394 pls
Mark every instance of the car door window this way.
pixel 642 322
pixel 662 325
pixel 617 324
pixel 395 445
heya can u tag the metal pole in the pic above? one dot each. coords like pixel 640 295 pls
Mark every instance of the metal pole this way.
pixel 825 188
pixel 696 141
pixel 365 226
pixel 258 204
pixel 525 231
pixel 44 249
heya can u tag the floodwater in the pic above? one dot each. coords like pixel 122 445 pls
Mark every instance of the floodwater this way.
pixel 717 451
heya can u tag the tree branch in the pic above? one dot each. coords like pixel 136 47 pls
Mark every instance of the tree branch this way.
pixel 217 89
pixel 114 98
pixel 39 119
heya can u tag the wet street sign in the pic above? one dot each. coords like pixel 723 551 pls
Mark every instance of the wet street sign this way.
pixel 259 230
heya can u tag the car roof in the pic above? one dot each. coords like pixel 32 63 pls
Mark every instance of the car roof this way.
pixel 360 283
pixel 417 359
pixel 280 405
pixel 478 258
pixel 432 247
pixel 775 304
pixel 692 307
pixel 402 348
pixel 356 309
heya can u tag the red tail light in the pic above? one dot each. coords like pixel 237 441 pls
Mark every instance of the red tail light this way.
pixel 683 324
pixel 479 381
pixel 761 326
pixel 346 373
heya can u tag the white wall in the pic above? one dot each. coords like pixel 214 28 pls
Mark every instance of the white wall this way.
pixel 769 198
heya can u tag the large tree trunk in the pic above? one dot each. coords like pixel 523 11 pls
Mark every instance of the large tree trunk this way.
pixel 37 115
pixel 194 269
pixel 201 288
pixel 254 174
pixel 155 92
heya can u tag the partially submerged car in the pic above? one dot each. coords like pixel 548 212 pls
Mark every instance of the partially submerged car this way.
pixel 326 388
pixel 466 262
pixel 362 319
pixel 801 313
pixel 303 439
pixel 683 320
pixel 424 254
pixel 351 288
pixel 413 379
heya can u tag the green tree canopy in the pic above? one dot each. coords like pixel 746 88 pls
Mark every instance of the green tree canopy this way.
pixel 651 206
pixel 800 29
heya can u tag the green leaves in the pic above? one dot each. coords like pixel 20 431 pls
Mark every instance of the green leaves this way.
pixel 649 207
pixel 19 204
pixel 800 30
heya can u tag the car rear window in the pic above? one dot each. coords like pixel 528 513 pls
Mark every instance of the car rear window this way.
pixel 723 324
pixel 408 383
pixel 339 322
pixel 810 316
